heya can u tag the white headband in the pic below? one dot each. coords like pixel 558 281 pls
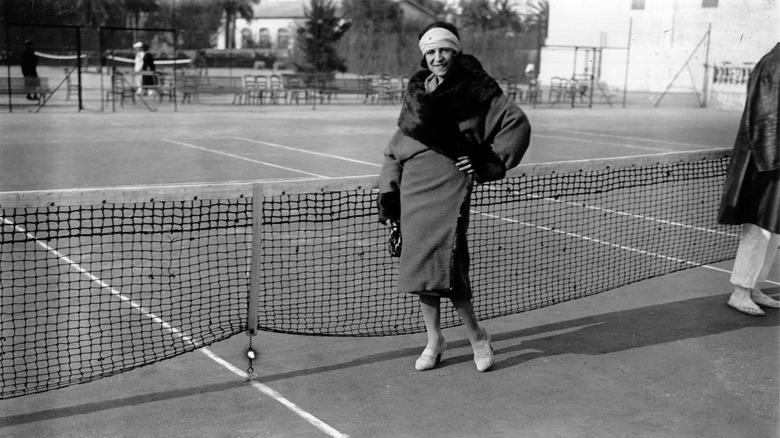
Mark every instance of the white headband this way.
pixel 437 38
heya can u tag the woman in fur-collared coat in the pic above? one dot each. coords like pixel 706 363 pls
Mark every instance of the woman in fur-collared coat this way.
pixel 456 127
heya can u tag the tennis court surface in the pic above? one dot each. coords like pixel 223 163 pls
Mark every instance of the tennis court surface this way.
pixel 602 281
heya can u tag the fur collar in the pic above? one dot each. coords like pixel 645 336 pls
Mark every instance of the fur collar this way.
pixel 435 119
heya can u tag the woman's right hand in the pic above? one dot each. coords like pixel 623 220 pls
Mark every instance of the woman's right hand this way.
pixel 464 164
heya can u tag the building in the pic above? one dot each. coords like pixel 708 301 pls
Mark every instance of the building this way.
pixel 275 24
pixel 655 45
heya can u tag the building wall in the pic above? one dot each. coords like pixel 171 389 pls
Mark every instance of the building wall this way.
pixel 663 36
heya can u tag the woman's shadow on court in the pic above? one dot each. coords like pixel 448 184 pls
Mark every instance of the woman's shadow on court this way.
pixel 625 330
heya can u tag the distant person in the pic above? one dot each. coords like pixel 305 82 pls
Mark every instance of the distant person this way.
pixel 144 68
pixel 29 63
pixel 456 127
pixel 751 193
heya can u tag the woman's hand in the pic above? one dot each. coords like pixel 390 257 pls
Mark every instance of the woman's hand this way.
pixel 464 165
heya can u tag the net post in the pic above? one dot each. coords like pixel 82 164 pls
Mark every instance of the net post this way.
pixel 257 240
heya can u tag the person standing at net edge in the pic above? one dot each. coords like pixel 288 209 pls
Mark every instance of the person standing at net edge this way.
pixel 143 62
pixel 28 61
pixel 456 127
pixel 751 193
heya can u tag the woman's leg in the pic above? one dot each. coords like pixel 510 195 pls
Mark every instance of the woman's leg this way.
pixel 749 261
pixel 430 306
pixel 479 338
pixel 466 311
pixel 769 259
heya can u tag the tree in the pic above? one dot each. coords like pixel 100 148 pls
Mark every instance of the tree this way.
pixel 477 15
pixel 196 22
pixel 507 17
pixel 137 7
pixel 486 15
pixel 233 9
pixel 317 39
pixel 538 17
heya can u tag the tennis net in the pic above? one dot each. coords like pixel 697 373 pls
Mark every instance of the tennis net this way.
pixel 98 282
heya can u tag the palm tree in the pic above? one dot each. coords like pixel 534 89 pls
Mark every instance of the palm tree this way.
pixel 136 7
pixel 538 16
pixel 506 17
pixel 233 9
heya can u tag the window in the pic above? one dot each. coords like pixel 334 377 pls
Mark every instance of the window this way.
pixel 637 4
pixel 709 3
pixel 283 39
pixel 264 39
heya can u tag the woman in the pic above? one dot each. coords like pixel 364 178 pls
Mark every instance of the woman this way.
pixel 144 68
pixel 751 192
pixel 456 127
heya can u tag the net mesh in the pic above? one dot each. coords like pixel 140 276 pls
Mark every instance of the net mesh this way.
pixel 108 282
pixel 91 291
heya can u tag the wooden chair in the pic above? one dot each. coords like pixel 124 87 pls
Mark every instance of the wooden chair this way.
pixel 557 89
pixel 277 89
pixel 120 89
pixel 534 93
pixel 261 90
pixel 249 90
pixel 71 87
pixel 295 87
pixel 165 87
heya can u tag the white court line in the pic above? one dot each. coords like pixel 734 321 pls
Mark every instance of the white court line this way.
pixel 192 146
pixel 103 285
pixel 304 151
pixel 601 143
pixel 602 242
pixel 622 213
pixel 625 137
pixel 319 424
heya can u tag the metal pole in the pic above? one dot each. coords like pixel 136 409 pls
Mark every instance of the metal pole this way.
pixel 685 65
pixel 628 58
pixel 173 25
pixel 706 100
pixel 8 57
pixel 78 65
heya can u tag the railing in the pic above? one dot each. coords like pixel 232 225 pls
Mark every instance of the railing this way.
pixel 728 87
pixel 731 74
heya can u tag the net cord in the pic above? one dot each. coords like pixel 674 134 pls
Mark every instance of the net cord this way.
pixel 129 194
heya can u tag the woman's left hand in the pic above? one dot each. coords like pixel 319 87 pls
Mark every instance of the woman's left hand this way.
pixel 464 165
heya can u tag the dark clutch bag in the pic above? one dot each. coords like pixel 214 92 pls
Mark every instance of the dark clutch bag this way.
pixel 395 238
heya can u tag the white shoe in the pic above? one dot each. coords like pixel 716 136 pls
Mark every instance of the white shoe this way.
pixel 759 298
pixel 429 358
pixel 483 356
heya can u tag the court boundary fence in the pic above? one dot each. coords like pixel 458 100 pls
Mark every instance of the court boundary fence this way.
pixel 83 51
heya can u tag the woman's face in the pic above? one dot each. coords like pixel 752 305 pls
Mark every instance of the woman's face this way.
pixel 439 60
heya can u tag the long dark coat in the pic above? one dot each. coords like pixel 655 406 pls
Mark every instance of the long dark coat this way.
pixel 751 192
pixel 148 66
pixel 420 184
pixel 29 63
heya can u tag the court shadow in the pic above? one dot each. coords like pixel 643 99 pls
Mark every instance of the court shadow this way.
pixel 103 405
pixel 599 334
pixel 636 328
pixel 593 335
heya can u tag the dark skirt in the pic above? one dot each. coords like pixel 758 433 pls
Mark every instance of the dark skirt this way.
pixel 435 199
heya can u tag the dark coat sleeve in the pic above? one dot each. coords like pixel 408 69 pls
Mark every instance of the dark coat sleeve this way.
pixel 389 200
pixel 762 113
pixel 509 131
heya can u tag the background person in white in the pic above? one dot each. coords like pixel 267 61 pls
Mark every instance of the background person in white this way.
pixel 138 65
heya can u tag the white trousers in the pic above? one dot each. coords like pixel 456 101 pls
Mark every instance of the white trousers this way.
pixel 755 256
